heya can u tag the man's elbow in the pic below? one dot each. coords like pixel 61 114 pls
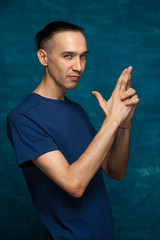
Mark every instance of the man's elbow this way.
pixel 77 193
pixel 119 176
pixel 75 190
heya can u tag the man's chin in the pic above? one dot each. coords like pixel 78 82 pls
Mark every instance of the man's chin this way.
pixel 72 86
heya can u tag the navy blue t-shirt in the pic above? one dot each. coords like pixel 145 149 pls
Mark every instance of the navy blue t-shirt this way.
pixel 39 125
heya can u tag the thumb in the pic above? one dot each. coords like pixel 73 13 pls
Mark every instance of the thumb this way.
pixel 98 96
pixel 101 101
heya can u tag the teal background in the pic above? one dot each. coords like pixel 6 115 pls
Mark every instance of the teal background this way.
pixel 119 33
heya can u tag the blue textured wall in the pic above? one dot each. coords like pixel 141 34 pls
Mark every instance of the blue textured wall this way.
pixel 119 33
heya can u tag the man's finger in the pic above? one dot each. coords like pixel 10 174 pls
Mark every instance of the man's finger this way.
pixel 98 96
pixel 128 94
pixel 100 100
pixel 117 87
pixel 134 100
pixel 128 84
pixel 126 78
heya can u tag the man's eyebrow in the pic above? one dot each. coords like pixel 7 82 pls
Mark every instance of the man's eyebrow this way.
pixel 73 53
pixel 85 52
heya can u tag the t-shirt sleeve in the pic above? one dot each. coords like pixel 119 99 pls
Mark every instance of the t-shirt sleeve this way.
pixel 28 139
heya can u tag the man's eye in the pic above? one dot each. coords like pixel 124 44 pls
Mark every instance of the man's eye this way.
pixel 67 56
pixel 84 56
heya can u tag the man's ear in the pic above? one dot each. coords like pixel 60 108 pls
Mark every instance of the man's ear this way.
pixel 42 56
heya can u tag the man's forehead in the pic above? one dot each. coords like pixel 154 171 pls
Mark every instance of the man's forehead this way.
pixel 68 41
pixel 68 34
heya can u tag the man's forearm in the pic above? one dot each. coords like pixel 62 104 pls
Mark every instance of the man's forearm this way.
pixel 90 161
pixel 116 164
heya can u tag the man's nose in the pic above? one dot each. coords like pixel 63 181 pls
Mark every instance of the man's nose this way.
pixel 77 65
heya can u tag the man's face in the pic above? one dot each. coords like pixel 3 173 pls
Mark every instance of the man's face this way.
pixel 66 59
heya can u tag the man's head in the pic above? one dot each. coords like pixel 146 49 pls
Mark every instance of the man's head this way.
pixel 62 49
pixel 52 28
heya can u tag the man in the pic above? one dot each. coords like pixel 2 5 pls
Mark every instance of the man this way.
pixel 57 147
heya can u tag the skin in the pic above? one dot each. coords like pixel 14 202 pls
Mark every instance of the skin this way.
pixel 64 58
pixel 64 63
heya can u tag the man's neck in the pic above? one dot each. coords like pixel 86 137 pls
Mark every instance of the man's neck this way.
pixel 48 89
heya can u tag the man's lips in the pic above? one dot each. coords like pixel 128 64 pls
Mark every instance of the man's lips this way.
pixel 74 77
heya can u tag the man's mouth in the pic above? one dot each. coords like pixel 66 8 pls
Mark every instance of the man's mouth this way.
pixel 74 77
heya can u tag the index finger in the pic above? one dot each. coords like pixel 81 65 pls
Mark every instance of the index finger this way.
pixel 126 78
pixel 118 84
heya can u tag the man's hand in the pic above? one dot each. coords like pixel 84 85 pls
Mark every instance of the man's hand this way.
pixel 122 102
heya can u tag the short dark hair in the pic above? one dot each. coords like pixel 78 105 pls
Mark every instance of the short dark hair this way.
pixel 53 27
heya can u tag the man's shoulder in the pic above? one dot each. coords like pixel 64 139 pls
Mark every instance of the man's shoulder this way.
pixel 22 108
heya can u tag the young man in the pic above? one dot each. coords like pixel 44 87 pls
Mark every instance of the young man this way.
pixel 57 147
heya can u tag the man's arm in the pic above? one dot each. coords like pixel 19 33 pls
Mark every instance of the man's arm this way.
pixel 115 162
pixel 74 178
